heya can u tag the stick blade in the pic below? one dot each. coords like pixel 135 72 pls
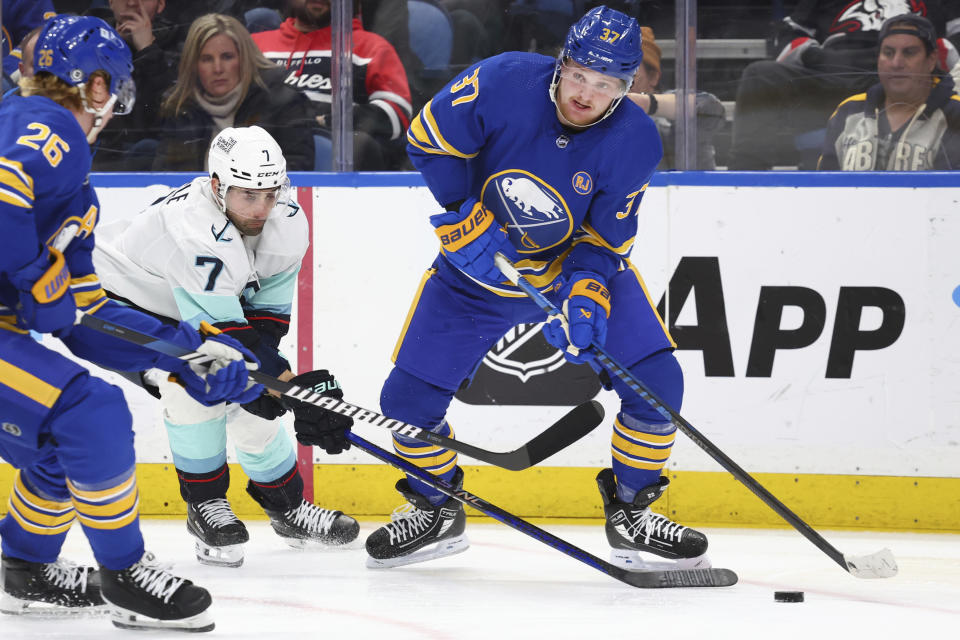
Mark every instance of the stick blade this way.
pixel 583 419
pixel 685 578
pixel 881 564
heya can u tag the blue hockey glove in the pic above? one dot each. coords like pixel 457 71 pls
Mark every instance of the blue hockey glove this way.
pixel 224 379
pixel 469 238
pixel 586 307
pixel 45 302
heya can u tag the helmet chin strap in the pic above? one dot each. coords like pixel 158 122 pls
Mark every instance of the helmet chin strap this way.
pixel 97 113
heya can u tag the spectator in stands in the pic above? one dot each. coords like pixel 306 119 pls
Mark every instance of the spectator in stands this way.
pixel 910 120
pixel 224 81
pixel 662 107
pixel 381 111
pixel 829 53
pixel 130 143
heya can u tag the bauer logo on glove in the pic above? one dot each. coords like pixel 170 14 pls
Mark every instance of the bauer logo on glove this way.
pixel 455 236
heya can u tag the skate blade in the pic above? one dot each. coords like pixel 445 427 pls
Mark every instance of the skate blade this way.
pixel 440 549
pixel 126 619
pixel 633 561
pixel 13 606
pixel 316 543
pixel 227 556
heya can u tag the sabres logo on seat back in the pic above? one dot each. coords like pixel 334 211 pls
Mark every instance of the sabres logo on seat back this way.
pixel 536 215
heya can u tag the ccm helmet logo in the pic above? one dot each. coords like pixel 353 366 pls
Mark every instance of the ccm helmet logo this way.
pixel 268 174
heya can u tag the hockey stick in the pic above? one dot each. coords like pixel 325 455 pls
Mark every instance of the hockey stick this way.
pixel 577 423
pixel 876 565
pixel 641 579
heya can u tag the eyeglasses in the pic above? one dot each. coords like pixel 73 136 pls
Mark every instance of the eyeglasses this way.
pixel 593 81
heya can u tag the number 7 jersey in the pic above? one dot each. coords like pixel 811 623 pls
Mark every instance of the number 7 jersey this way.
pixel 183 259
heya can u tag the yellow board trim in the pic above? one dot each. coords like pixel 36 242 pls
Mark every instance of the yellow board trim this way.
pixel 695 498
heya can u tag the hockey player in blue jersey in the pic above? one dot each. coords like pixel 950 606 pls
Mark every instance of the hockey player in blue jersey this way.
pixel 68 433
pixel 543 160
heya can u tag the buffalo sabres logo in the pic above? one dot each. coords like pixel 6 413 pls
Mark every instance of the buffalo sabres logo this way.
pixel 868 15
pixel 536 215
pixel 505 358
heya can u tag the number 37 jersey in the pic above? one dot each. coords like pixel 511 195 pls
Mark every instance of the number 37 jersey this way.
pixel 183 259
pixel 564 196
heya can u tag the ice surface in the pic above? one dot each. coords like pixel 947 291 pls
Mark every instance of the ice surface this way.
pixel 508 585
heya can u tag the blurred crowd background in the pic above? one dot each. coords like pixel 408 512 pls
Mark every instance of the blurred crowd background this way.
pixel 761 92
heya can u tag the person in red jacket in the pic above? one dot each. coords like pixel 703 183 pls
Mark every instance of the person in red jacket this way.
pixel 381 113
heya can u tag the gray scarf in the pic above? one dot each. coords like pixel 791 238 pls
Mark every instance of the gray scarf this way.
pixel 221 109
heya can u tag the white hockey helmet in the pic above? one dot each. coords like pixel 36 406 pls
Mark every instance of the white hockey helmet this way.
pixel 249 158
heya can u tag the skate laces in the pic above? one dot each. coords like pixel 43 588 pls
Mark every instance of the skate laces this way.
pixel 155 578
pixel 312 517
pixel 67 575
pixel 217 512
pixel 652 524
pixel 407 521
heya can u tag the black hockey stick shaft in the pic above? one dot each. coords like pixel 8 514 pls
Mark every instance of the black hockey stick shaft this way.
pixel 625 375
pixel 575 424
pixel 642 579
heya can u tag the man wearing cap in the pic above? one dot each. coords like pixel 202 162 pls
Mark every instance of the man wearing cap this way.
pixel 910 120
pixel 828 52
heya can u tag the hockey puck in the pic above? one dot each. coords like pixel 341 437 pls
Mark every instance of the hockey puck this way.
pixel 788 596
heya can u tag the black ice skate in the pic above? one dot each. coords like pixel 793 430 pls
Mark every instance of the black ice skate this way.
pixel 220 535
pixel 633 527
pixel 308 523
pixel 419 531
pixel 148 596
pixel 58 588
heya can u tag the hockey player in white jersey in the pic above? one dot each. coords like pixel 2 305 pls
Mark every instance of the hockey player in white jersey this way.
pixel 226 249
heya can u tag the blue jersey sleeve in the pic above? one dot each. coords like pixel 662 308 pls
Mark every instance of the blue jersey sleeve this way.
pixel 451 129
pixel 606 235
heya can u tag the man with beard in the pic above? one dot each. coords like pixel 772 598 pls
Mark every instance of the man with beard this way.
pixel 381 112
pixel 829 51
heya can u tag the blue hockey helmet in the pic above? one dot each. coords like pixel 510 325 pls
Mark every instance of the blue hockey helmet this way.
pixel 73 47
pixel 605 41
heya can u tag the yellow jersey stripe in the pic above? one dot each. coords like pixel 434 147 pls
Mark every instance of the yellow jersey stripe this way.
pixel 638 450
pixel 637 464
pixel 413 307
pixel 17 168
pixel 623 249
pixel 109 509
pixel 38 517
pixel 418 131
pixel 11 179
pixel 14 199
pixel 436 135
pixel 653 307
pixel 103 495
pixel 653 439
pixel 114 523
pixel 36 501
pixel 43 531
pixel 27 384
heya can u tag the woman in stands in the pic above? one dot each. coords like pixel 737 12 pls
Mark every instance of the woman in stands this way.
pixel 224 81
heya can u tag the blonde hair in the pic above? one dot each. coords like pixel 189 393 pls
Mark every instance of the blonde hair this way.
pixel 50 86
pixel 202 29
